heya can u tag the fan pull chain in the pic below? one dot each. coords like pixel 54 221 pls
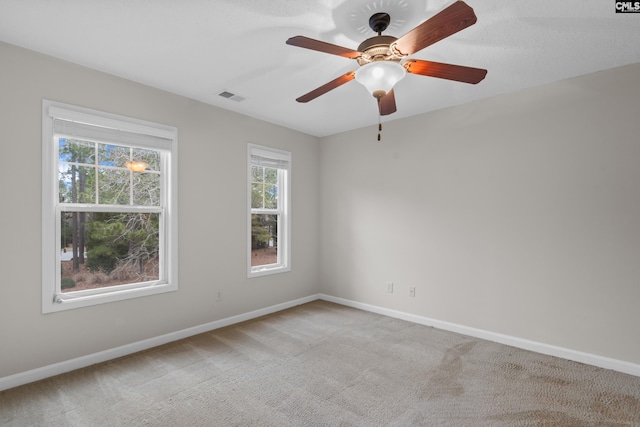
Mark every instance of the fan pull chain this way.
pixel 379 126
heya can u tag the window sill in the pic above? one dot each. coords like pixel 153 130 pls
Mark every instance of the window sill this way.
pixel 60 303
pixel 267 271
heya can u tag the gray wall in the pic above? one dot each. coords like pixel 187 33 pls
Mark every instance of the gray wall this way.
pixel 516 214
pixel 212 215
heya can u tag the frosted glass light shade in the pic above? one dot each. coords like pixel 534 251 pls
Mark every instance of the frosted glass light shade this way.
pixel 136 166
pixel 380 77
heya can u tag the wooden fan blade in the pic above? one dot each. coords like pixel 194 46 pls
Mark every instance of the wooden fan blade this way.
pixel 307 43
pixel 449 21
pixel 327 87
pixel 458 73
pixel 387 104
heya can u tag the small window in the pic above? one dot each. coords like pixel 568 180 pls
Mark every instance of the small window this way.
pixel 109 211
pixel 269 213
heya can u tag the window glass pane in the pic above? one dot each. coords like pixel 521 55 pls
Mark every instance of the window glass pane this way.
pixel 76 184
pixel 264 187
pixel 150 157
pixel 113 186
pixel 113 155
pixel 74 151
pixel 264 239
pixel 257 196
pixel 271 175
pixel 100 249
pixel 257 174
pixel 271 196
pixel 146 189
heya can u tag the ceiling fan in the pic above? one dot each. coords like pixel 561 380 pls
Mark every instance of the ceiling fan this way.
pixel 382 58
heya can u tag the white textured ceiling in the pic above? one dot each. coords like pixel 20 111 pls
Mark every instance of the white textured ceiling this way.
pixel 198 48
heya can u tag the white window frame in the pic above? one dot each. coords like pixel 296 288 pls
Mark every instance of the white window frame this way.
pixel 284 212
pixel 146 135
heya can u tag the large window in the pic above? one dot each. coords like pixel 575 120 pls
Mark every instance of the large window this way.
pixel 269 213
pixel 109 207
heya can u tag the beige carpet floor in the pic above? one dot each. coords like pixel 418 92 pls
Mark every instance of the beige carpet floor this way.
pixel 321 364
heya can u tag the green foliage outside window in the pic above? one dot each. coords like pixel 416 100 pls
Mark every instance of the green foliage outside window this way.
pixel 264 195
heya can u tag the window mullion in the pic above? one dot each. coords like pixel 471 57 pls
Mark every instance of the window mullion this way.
pixel 130 178
pixel 95 172
pixel 264 187
pixel 79 207
pixel 256 211
pixel 56 170
pixel 57 250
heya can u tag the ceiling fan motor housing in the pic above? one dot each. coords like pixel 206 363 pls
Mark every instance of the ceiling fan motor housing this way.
pixel 378 48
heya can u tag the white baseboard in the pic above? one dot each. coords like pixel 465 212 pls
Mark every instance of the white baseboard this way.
pixel 103 356
pixel 550 350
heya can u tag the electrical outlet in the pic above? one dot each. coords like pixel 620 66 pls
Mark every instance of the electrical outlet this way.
pixel 390 287
pixel 412 291
pixel 219 296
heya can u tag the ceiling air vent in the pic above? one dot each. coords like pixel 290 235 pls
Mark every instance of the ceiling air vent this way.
pixel 231 96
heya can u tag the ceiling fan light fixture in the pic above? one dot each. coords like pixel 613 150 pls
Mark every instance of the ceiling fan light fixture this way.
pixel 379 77
pixel 136 166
